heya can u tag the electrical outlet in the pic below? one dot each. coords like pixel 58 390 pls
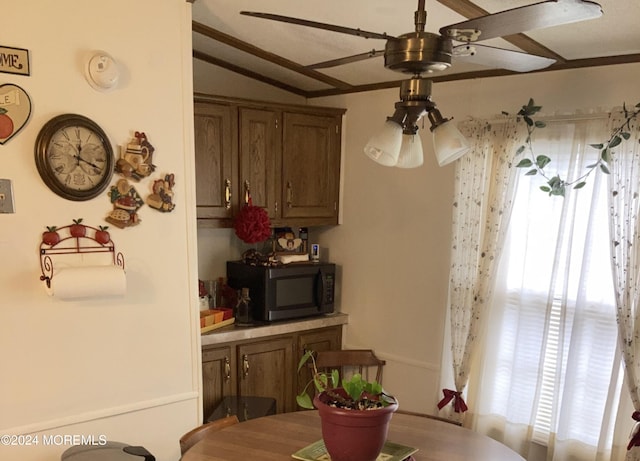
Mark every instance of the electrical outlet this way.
pixel 6 196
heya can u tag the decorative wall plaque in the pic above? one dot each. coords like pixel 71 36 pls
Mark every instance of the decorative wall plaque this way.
pixel 14 60
pixel 15 109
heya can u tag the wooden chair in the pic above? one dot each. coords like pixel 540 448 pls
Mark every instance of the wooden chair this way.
pixel 360 359
pixel 195 435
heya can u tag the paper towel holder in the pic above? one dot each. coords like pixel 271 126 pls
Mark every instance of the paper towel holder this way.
pixel 76 238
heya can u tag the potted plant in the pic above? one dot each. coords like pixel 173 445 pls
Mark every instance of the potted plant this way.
pixel 354 413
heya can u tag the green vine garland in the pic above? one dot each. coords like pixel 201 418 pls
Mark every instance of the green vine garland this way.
pixel 536 164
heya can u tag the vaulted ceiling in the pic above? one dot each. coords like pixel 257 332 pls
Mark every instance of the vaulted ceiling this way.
pixel 280 54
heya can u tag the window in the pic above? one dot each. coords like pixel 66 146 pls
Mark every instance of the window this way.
pixel 552 374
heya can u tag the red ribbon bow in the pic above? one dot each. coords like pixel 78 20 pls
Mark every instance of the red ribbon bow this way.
pixel 635 439
pixel 458 402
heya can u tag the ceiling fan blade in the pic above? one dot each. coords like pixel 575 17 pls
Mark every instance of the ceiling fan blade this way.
pixel 537 16
pixel 346 60
pixel 489 56
pixel 318 25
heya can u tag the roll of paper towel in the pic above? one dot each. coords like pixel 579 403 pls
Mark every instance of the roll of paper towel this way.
pixel 88 282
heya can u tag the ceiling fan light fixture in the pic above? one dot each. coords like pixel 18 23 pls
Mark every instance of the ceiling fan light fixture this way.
pixel 411 155
pixel 448 143
pixel 384 146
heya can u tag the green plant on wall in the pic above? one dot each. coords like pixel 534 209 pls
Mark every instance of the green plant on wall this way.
pixel 536 164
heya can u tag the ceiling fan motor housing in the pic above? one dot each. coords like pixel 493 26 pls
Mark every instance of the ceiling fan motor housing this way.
pixel 418 52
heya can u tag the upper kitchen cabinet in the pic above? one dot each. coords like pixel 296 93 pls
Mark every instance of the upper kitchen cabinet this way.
pixel 216 149
pixel 310 167
pixel 287 159
pixel 260 145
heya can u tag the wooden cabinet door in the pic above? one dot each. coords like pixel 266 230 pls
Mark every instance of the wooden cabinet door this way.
pixel 310 166
pixel 218 377
pixel 325 339
pixel 259 158
pixel 215 133
pixel 265 370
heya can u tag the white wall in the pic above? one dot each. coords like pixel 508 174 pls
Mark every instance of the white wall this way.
pixel 126 368
pixel 393 244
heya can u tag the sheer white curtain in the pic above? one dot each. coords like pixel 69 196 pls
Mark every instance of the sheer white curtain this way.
pixel 484 189
pixel 624 202
pixel 550 381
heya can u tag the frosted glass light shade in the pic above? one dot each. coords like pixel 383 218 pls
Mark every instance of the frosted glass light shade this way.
pixel 448 143
pixel 384 146
pixel 410 152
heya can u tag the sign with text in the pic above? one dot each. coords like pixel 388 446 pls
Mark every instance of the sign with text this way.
pixel 14 60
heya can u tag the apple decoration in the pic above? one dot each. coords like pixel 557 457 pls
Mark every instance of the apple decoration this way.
pixel 6 124
pixel 77 229
pixel 102 236
pixel 51 236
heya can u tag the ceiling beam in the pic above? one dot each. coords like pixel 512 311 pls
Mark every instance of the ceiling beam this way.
pixel 267 56
pixel 248 73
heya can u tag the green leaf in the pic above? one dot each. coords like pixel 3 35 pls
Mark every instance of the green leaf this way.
pixel 580 185
pixel 604 169
pixel 520 150
pixel 545 188
pixel 540 124
pixel 625 135
pixel 354 386
pixel 321 381
pixel 615 141
pixel 528 120
pixel 524 163
pixel 304 400
pixel 335 378
pixel 531 172
pixel 597 146
pixel 307 355
pixel 606 155
pixel 542 161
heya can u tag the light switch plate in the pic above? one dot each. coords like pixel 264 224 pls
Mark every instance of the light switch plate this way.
pixel 6 196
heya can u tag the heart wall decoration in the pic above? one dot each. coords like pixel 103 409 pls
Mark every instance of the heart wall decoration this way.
pixel 15 109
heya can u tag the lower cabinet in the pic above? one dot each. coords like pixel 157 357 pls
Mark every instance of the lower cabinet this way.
pixel 265 367
pixel 217 376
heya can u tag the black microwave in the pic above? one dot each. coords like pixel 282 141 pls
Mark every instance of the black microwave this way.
pixel 285 292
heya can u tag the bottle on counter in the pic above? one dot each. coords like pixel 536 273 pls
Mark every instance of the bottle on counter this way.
pixel 243 312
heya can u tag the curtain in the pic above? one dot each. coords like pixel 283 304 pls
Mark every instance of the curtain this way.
pixel 550 379
pixel 624 204
pixel 484 187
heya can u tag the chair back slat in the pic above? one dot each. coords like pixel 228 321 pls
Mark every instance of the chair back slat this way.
pixel 358 358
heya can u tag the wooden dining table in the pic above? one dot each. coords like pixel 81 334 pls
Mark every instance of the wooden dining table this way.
pixel 277 437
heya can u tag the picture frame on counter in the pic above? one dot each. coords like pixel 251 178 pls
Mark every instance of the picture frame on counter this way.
pixel 287 242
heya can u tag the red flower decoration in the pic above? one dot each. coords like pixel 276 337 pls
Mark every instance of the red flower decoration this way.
pixel 252 224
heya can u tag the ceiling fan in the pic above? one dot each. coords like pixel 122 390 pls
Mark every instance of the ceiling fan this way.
pixel 421 52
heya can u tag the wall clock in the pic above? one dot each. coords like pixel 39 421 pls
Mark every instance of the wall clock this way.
pixel 74 157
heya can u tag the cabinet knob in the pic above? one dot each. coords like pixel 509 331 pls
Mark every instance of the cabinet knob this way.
pixel 289 194
pixel 227 369
pixel 227 193
pixel 247 192
pixel 245 365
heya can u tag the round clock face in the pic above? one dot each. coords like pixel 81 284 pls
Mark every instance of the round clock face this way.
pixel 74 157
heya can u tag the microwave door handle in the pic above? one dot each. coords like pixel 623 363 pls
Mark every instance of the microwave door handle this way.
pixel 320 291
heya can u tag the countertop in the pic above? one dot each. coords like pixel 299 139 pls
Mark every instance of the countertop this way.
pixel 235 333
